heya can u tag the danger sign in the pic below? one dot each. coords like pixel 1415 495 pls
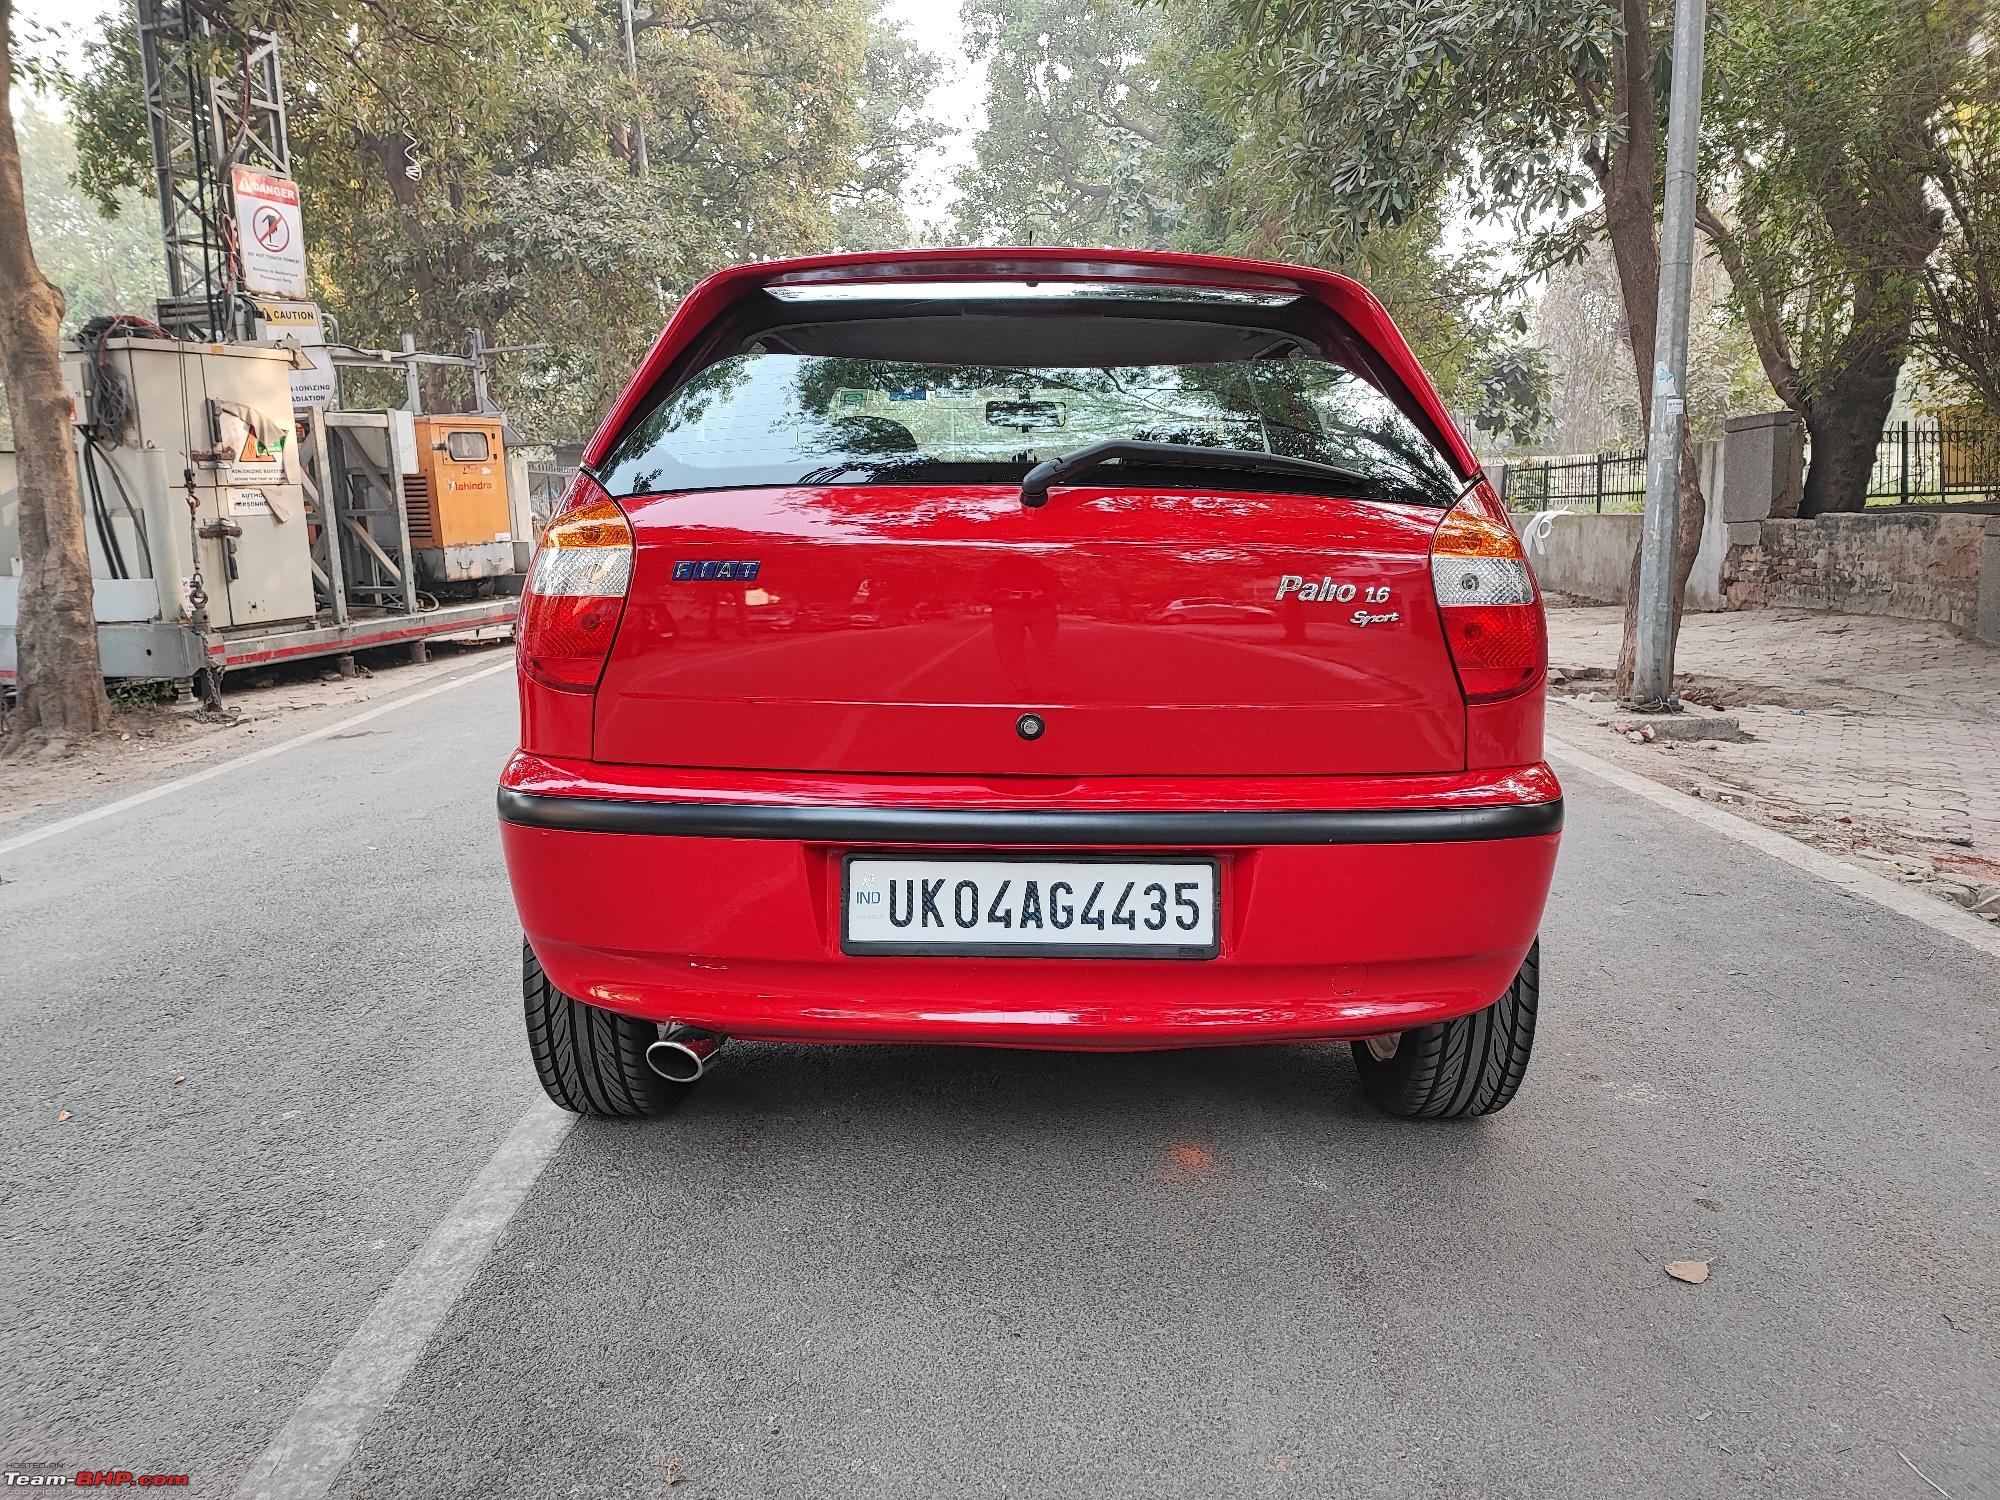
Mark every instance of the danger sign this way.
pixel 269 229
pixel 270 236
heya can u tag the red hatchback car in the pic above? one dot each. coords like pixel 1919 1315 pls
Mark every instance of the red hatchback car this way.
pixel 1030 648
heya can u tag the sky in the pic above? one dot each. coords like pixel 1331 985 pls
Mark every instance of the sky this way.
pixel 958 101
pixel 69 24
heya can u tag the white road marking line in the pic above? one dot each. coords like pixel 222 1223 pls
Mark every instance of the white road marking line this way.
pixel 222 768
pixel 315 1444
pixel 1902 899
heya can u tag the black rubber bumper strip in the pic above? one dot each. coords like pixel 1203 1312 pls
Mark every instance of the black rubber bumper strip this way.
pixel 1031 826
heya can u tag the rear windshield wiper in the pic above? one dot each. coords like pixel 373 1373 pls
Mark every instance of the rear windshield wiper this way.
pixel 1039 480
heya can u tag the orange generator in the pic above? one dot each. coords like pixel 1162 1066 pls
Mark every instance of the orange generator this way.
pixel 460 524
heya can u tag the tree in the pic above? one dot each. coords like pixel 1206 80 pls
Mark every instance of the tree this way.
pixel 1513 392
pixel 1827 135
pixel 1959 334
pixel 1118 123
pixel 1579 321
pixel 99 265
pixel 1532 108
pixel 469 163
pixel 59 689
pixel 1074 146
pixel 894 132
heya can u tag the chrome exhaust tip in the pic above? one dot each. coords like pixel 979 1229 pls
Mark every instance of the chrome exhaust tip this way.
pixel 681 1056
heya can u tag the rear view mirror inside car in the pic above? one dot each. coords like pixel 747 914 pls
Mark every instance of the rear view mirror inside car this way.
pixel 1027 416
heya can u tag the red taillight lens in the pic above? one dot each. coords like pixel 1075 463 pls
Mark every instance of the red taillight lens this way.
pixel 576 592
pixel 1486 598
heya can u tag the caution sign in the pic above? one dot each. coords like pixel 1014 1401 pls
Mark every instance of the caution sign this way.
pixel 298 323
pixel 276 318
pixel 270 235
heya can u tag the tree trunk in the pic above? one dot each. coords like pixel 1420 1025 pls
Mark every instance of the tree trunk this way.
pixel 1845 422
pixel 1626 176
pixel 59 686
pixel 1846 414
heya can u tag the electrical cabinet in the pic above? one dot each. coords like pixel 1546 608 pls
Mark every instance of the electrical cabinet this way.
pixel 149 412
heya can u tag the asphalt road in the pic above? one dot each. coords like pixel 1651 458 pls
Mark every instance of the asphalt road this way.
pixel 280 1010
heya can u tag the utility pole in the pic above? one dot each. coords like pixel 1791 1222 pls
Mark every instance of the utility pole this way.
pixel 632 70
pixel 1653 663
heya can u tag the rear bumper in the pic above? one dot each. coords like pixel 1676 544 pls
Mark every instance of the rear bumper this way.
pixel 988 828
pixel 1349 906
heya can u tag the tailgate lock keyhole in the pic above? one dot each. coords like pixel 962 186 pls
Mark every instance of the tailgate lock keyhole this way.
pixel 1030 726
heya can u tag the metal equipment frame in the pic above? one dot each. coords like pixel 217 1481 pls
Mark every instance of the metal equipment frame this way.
pixel 345 490
pixel 199 131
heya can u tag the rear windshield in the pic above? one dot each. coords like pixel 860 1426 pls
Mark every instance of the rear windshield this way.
pixel 770 417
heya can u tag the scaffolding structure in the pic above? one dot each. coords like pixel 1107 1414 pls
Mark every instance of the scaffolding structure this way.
pixel 203 124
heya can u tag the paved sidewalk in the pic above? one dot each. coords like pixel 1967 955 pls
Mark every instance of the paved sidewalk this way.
pixel 1876 739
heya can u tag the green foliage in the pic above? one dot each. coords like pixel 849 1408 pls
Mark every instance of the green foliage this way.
pixel 1143 125
pixel 1373 111
pixel 99 264
pixel 1514 390
pixel 1959 338
pixel 470 164
pixel 1075 147
pixel 893 134
pixel 1820 136
pixel 1824 126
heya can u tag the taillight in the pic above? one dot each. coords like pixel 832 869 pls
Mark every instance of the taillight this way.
pixel 1486 598
pixel 576 591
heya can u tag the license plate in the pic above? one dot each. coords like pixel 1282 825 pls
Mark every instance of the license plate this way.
pixel 1030 907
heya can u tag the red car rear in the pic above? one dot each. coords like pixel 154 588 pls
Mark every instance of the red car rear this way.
pixel 1030 648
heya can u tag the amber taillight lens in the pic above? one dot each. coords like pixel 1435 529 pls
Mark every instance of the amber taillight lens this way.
pixel 576 591
pixel 1486 597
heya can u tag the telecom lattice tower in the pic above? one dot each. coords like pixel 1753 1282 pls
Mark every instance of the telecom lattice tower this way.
pixel 215 100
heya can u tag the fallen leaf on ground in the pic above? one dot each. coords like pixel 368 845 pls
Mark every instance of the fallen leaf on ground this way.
pixel 1693 1272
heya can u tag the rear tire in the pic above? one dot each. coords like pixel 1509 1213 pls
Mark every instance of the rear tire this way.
pixel 591 1061
pixel 1470 1066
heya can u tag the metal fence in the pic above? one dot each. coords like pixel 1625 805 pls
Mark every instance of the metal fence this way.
pixel 1601 483
pixel 1919 463
pixel 1916 463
